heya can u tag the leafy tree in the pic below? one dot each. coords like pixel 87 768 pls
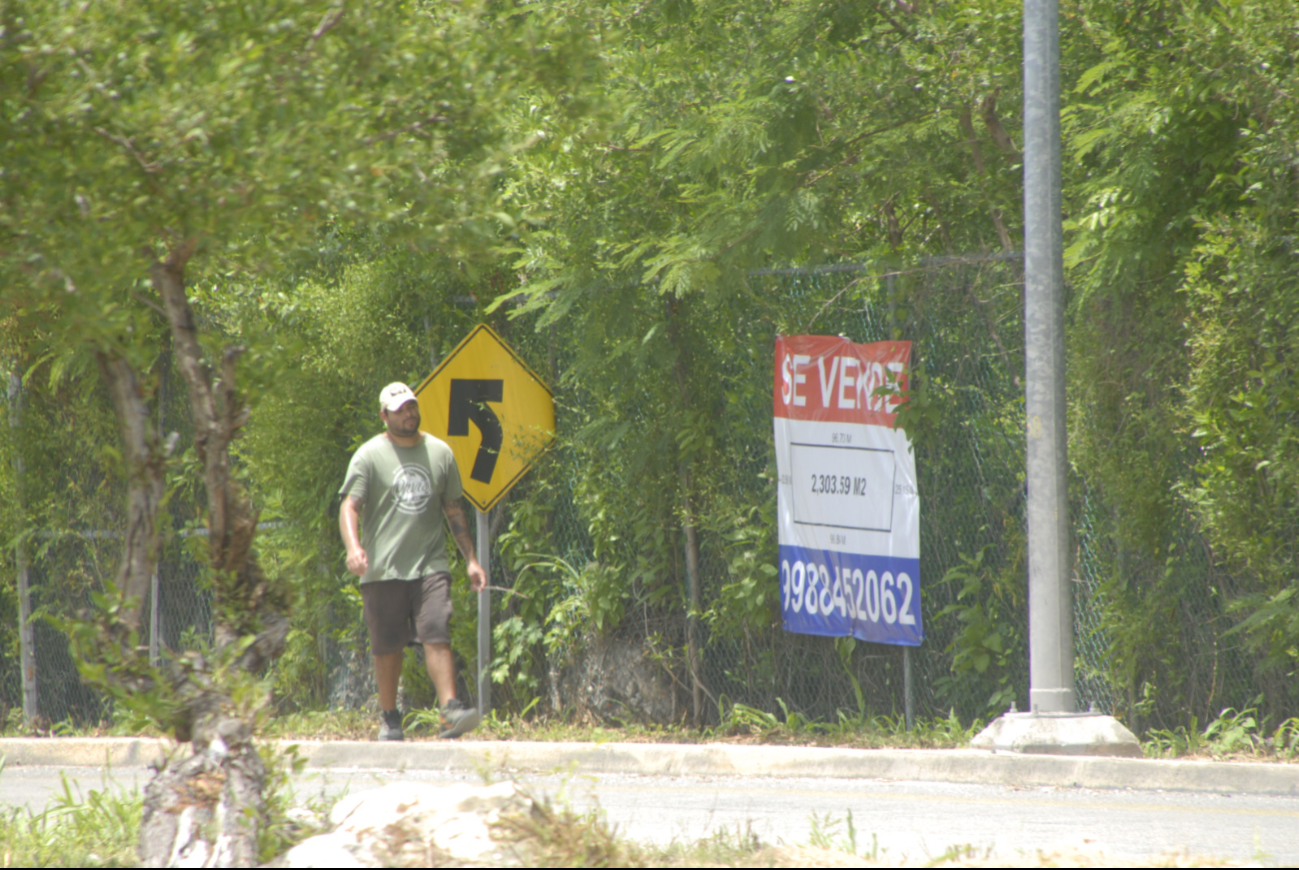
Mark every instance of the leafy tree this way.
pixel 1179 206
pixel 156 157
pixel 749 134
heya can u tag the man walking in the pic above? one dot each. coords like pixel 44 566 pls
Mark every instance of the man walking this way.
pixel 399 486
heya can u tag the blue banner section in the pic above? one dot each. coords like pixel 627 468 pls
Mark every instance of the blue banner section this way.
pixel 873 598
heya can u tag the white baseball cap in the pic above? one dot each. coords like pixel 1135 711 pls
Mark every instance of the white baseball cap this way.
pixel 394 396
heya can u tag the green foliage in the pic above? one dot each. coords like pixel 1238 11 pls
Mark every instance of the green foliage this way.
pixel 856 729
pixel 320 725
pixel 750 600
pixel 1179 206
pixel 280 831
pixel 98 829
pixel 1233 734
pixel 109 655
pixel 415 682
pixel 844 646
pixel 824 834
pixel 616 249
pixel 238 134
pixel 1242 401
pixel 984 646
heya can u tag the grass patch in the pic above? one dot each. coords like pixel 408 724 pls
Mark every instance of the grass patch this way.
pixel 739 724
pixel 1236 735
pixel 1232 736
pixel 321 725
pixel 101 829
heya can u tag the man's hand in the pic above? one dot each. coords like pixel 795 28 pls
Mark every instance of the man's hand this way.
pixel 477 576
pixel 358 561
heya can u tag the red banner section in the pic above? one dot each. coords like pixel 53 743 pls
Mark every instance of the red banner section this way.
pixel 824 377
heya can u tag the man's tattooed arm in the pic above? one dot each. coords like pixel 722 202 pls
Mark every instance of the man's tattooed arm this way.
pixel 455 514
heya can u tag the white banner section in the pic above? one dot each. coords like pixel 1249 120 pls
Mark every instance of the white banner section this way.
pixel 847 502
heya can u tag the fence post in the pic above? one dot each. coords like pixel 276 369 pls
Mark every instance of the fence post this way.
pixel 485 617
pixel 908 694
pixel 155 621
pixel 26 632
pixel 155 586
pixel 692 619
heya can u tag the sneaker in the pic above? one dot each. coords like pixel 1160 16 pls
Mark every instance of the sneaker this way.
pixel 390 726
pixel 458 718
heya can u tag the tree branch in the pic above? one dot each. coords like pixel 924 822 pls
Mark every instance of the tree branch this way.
pixel 967 127
pixel 331 18
pixel 860 137
pixel 988 109
pixel 123 142
pixel 409 128
pixel 897 25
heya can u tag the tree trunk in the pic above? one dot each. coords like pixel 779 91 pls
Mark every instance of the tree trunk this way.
pixel 206 810
pixel 145 480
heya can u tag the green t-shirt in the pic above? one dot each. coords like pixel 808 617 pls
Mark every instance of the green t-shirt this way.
pixel 402 490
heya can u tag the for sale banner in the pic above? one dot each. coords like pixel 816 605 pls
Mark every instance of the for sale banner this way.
pixel 848 506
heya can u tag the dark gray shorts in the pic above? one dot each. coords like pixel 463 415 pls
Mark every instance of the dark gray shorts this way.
pixel 399 611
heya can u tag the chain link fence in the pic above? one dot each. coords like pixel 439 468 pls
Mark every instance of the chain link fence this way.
pixel 964 317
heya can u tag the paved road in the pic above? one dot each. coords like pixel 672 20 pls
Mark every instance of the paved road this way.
pixel 907 819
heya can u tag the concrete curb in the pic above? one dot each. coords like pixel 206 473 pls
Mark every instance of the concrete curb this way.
pixel 716 759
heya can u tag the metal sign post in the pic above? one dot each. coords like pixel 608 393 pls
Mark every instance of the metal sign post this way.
pixel 484 617
pixel 497 416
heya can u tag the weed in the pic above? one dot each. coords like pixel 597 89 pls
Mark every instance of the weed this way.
pixel 321 725
pixel 1234 734
pixel 101 829
pixel 550 837
pixel 1175 742
pixel 284 824
pixel 742 719
pixel 425 722
pixel 1285 742
pixel 724 848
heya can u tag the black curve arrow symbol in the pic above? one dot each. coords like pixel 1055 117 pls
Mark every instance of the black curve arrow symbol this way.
pixel 469 400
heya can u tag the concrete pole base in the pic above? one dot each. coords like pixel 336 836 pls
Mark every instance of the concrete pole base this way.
pixel 1059 734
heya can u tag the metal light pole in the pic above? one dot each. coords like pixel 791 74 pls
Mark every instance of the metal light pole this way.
pixel 1050 600
pixel 1051 725
pixel 484 617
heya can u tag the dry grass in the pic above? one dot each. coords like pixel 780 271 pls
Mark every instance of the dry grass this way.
pixel 552 837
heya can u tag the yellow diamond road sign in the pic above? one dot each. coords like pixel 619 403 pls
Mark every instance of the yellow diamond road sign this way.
pixel 492 409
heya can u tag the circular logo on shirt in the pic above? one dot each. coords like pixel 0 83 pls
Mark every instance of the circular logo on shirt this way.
pixel 411 489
